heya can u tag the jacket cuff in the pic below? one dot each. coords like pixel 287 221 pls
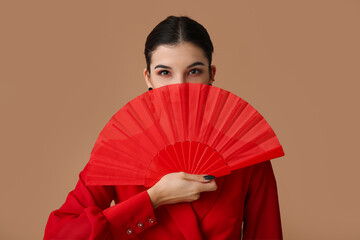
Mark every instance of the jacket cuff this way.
pixel 131 217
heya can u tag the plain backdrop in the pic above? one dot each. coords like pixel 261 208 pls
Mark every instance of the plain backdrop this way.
pixel 68 66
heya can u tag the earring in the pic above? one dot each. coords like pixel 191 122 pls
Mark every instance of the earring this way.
pixel 150 88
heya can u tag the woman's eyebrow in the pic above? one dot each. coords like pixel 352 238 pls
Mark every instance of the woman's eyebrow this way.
pixel 161 66
pixel 191 65
pixel 195 64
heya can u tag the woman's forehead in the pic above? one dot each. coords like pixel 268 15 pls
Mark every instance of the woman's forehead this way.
pixel 181 54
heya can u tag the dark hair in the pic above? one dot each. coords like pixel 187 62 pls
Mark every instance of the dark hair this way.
pixel 174 30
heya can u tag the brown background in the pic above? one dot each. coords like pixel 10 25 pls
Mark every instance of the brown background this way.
pixel 68 66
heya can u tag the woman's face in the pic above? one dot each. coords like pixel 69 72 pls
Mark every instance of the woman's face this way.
pixel 182 63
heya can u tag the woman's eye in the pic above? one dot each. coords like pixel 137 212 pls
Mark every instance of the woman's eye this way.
pixel 194 71
pixel 164 72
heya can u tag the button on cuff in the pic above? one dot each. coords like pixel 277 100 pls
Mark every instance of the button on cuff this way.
pixel 129 231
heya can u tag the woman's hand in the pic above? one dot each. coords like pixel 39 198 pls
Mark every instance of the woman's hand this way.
pixel 179 187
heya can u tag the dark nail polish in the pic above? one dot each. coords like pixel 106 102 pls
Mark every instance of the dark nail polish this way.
pixel 208 177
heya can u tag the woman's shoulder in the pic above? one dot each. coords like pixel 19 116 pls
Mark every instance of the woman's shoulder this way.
pixel 251 172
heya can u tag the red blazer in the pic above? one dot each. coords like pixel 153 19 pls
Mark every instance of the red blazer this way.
pixel 247 197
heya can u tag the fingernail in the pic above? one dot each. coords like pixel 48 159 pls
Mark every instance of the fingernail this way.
pixel 208 177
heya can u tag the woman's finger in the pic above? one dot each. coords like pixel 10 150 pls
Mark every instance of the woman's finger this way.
pixel 197 177
pixel 206 187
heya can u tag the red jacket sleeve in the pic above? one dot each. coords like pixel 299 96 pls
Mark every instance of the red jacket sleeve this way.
pixel 86 214
pixel 262 213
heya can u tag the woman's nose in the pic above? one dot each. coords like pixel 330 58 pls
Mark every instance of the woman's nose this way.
pixel 180 80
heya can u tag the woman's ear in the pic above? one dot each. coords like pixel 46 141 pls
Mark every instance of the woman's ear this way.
pixel 212 76
pixel 147 78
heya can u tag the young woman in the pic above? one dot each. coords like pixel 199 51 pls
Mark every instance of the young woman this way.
pixel 242 205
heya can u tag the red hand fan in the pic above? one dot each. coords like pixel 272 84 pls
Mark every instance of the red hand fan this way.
pixel 190 127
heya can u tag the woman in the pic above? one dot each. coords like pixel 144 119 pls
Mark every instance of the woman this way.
pixel 180 205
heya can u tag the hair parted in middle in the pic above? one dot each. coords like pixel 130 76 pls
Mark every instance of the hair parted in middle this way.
pixel 174 30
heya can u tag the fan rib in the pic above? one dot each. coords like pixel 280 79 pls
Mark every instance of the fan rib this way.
pixel 184 110
pixel 194 157
pixel 179 159
pixel 129 138
pixel 152 114
pixel 241 132
pixel 169 166
pixel 213 164
pixel 200 162
pixel 205 91
pixel 137 121
pixel 214 116
pixel 102 162
pixel 124 152
pixel 185 151
pixel 256 141
pixel 231 119
pixel 268 155
pixel 170 156
pixel 169 114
